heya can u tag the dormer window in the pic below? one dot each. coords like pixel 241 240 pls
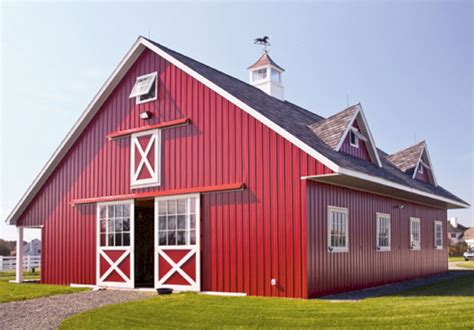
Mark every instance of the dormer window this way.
pixel 354 139
pixel 420 169
pixel 259 74
pixel 145 88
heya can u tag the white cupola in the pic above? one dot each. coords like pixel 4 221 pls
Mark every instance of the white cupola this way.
pixel 265 74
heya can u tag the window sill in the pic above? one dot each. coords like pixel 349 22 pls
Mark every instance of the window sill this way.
pixel 145 185
pixel 145 101
pixel 338 250
pixel 415 249
pixel 438 247
pixel 383 249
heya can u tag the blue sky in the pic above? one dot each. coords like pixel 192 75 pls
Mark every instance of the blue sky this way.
pixel 410 64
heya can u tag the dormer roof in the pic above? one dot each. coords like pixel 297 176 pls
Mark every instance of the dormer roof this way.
pixel 265 60
pixel 335 129
pixel 408 160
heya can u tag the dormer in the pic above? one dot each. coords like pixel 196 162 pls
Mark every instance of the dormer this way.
pixel 348 132
pixel 266 75
pixel 416 162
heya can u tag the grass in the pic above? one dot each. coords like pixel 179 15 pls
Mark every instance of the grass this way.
pixel 451 259
pixel 466 264
pixel 14 291
pixel 443 305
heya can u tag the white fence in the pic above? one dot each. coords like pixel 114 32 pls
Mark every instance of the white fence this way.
pixel 29 262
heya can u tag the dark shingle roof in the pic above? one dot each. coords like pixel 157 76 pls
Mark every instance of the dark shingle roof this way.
pixel 298 122
pixel 407 159
pixel 331 129
pixel 459 229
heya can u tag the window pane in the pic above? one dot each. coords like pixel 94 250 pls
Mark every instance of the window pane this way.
pixel 172 206
pixel 162 223
pixel 118 239
pixel 111 211
pixel 126 224
pixel 103 240
pixel 162 207
pixel 172 238
pixel 181 222
pixel 181 206
pixel 126 210
pixel 111 240
pixel 192 207
pixel 102 211
pixel 103 226
pixel 162 238
pixel 118 225
pixel 118 211
pixel 172 222
pixel 111 225
pixel 126 239
pixel 192 219
pixel 192 237
pixel 181 237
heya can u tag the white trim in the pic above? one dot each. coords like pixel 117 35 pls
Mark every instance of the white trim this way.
pixel 356 139
pixel 19 256
pixel 128 251
pixel 87 286
pixel 430 167
pixel 194 250
pixel 366 127
pixel 155 80
pixel 155 173
pixel 417 247
pixel 388 183
pixel 330 210
pixel 438 223
pixel 378 216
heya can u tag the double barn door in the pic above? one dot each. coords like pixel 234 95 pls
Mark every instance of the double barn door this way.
pixel 176 243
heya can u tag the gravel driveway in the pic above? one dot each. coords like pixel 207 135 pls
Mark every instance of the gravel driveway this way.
pixel 49 312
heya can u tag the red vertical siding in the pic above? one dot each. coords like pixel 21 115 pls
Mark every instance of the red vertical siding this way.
pixel 363 265
pixel 360 152
pixel 248 237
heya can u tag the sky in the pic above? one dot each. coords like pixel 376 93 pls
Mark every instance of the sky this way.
pixel 409 63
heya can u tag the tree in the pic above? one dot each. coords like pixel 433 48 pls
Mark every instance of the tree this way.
pixel 456 250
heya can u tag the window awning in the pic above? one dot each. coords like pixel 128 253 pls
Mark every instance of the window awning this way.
pixel 143 85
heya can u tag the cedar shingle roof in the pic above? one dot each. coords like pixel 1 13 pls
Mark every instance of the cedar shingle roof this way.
pixel 265 59
pixel 331 129
pixel 469 234
pixel 407 159
pixel 298 122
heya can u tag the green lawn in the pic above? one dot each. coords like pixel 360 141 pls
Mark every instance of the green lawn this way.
pixel 13 291
pixel 443 305
pixel 466 264
pixel 451 259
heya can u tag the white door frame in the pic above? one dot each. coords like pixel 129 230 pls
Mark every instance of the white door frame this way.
pixel 195 250
pixel 128 250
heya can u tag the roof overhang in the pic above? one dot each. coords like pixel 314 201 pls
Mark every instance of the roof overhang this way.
pixel 360 181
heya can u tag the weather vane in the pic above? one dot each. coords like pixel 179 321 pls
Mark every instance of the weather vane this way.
pixel 265 41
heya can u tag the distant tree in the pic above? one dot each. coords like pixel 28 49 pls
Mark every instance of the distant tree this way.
pixel 6 247
pixel 456 250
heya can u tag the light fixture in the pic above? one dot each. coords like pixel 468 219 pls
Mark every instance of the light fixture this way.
pixel 145 115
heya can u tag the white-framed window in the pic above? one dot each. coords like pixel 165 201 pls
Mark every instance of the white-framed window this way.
pixel 259 74
pixel 177 221
pixel 276 75
pixel 353 138
pixel 420 168
pixel 145 158
pixel 114 224
pixel 438 234
pixel 145 88
pixel 453 235
pixel 415 233
pixel 383 232
pixel 338 229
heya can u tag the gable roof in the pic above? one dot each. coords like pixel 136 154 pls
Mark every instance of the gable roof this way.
pixel 459 229
pixel 469 234
pixel 265 59
pixel 285 118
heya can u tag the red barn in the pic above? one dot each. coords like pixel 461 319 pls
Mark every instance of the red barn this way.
pixel 178 175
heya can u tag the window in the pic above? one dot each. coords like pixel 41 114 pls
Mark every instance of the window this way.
pixel 354 139
pixel 438 232
pixel 338 233
pixel 145 88
pixel 145 158
pixel 420 168
pixel 453 235
pixel 177 221
pixel 276 76
pixel 259 74
pixel 383 232
pixel 114 224
pixel 415 234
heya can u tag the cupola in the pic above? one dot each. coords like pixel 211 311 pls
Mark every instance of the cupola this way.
pixel 266 75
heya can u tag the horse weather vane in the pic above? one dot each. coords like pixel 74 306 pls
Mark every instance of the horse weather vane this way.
pixel 265 41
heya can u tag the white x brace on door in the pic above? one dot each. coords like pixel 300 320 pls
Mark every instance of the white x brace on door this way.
pixel 145 158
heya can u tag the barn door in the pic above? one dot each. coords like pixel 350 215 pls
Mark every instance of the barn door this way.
pixel 115 244
pixel 145 158
pixel 177 254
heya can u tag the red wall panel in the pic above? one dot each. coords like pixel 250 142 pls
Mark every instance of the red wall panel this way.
pixel 363 265
pixel 248 237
